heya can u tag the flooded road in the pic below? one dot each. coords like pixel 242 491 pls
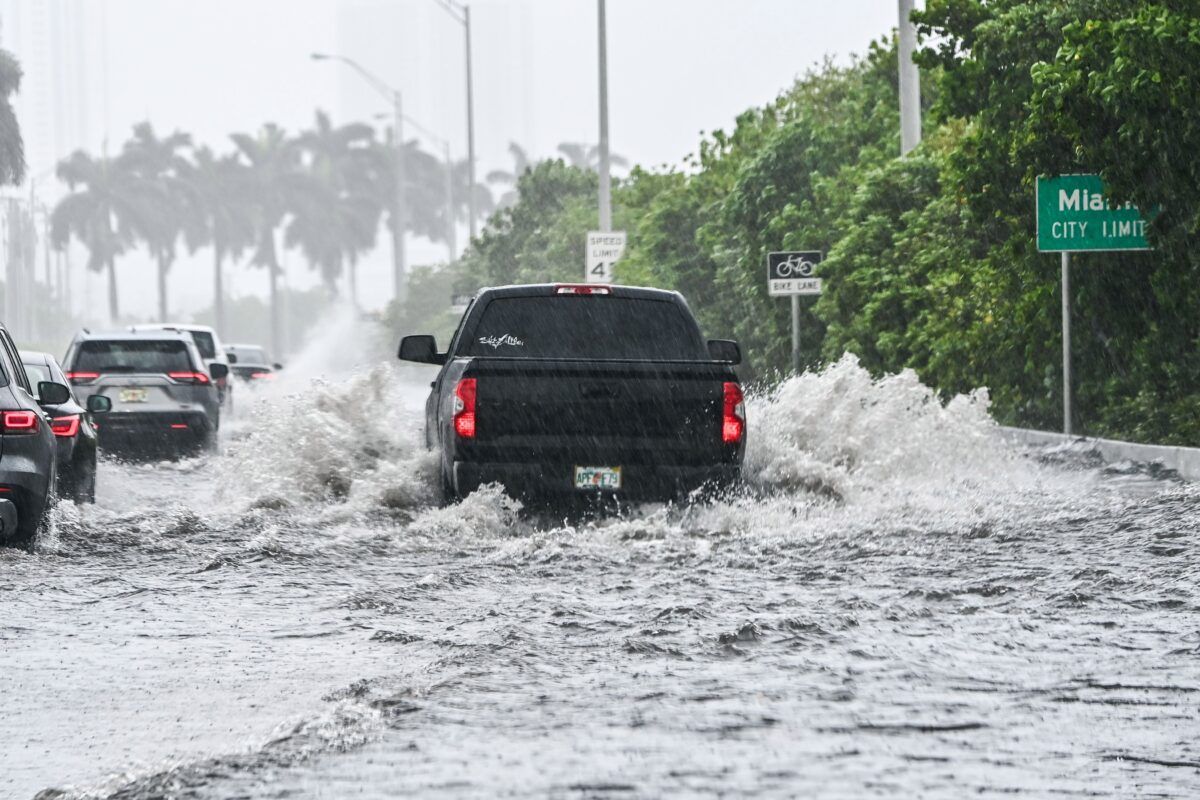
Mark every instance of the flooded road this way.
pixel 898 605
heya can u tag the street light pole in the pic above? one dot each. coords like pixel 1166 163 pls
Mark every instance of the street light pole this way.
pixel 910 81
pixel 461 13
pixel 605 178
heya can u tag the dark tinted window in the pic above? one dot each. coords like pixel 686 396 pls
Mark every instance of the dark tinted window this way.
pixel 149 356
pixel 601 327
pixel 205 344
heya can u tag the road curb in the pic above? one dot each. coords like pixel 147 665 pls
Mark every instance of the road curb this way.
pixel 1184 460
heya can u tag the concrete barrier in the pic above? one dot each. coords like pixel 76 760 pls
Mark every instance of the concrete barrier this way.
pixel 1184 460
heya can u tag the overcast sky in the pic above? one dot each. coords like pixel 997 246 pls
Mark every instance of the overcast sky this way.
pixel 677 67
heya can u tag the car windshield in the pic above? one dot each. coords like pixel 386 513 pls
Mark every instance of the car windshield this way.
pixel 205 344
pixel 623 328
pixel 146 356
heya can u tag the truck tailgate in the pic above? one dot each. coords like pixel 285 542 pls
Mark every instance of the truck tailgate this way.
pixel 631 411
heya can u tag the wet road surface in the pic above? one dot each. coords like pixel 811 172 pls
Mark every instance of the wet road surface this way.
pixel 899 605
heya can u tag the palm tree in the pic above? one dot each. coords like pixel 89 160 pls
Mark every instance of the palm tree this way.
pixel 166 198
pixel 337 207
pixel 521 165
pixel 586 156
pixel 12 147
pixel 225 218
pixel 273 180
pixel 102 197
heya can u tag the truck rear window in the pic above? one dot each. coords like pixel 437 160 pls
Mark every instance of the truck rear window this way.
pixel 604 327
pixel 133 356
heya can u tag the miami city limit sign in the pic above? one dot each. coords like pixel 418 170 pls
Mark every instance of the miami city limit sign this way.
pixel 1074 216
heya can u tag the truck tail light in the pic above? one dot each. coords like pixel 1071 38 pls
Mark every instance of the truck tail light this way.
pixel 581 288
pixel 82 377
pixel 733 418
pixel 19 422
pixel 66 427
pixel 188 377
pixel 464 408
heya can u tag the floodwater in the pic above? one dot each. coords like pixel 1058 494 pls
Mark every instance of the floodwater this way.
pixel 898 605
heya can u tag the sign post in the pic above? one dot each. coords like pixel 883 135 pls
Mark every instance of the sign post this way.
pixel 604 249
pixel 1074 215
pixel 790 274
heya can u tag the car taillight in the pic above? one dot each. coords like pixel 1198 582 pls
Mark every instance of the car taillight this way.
pixel 464 408
pixel 65 427
pixel 733 418
pixel 263 376
pixel 82 377
pixel 188 377
pixel 20 422
pixel 581 288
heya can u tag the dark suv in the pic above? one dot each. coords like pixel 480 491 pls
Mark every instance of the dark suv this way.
pixel 163 394
pixel 28 454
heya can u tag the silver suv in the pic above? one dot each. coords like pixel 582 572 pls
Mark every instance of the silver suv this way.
pixel 161 391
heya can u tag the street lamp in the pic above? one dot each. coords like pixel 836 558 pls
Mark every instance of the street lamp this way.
pixel 400 208
pixel 462 15
pixel 450 233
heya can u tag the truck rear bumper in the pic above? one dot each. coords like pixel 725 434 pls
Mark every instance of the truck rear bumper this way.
pixel 641 482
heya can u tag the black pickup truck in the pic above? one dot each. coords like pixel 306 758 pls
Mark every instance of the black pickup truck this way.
pixel 562 390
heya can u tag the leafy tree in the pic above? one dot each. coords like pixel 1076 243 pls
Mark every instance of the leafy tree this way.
pixel 336 209
pixel 12 147
pixel 225 218
pixel 102 197
pixel 274 169
pixel 164 202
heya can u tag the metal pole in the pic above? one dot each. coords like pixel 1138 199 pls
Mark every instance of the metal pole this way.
pixel 451 243
pixel 796 334
pixel 910 82
pixel 1066 341
pixel 400 212
pixel 470 128
pixel 605 181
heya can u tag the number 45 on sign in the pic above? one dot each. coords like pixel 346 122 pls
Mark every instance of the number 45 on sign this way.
pixel 603 252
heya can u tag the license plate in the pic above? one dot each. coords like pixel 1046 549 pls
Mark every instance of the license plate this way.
pixel 133 395
pixel 597 477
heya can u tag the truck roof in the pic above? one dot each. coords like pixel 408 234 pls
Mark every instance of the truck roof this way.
pixel 539 289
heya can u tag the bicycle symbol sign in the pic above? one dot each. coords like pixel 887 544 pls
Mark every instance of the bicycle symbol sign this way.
pixel 792 273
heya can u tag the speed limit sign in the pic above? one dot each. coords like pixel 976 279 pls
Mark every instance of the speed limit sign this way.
pixel 603 252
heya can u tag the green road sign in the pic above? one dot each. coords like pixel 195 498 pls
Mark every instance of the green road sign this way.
pixel 1073 215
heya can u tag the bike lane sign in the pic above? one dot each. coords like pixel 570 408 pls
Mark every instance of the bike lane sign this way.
pixel 791 273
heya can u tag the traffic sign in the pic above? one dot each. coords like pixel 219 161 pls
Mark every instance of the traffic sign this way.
pixel 1074 215
pixel 604 249
pixel 791 273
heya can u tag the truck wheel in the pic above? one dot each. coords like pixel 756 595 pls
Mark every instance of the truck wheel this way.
pixel 449 496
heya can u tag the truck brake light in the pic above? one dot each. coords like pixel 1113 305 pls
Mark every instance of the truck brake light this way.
pixel 20 422
pixel 733 424
pixel 581 288
pixel 464 408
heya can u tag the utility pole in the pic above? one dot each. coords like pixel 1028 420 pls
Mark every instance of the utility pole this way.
pixel 471 220
pixel 910 82
pixel 400 209
pixel 605 178
pixel 451 236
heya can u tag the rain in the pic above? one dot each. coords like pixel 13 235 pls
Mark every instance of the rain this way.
pixel 598 399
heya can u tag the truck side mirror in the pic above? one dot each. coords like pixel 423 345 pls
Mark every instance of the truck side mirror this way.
pixel 231 358
pixel 218 371
pixel 421 349
pixel 724 350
